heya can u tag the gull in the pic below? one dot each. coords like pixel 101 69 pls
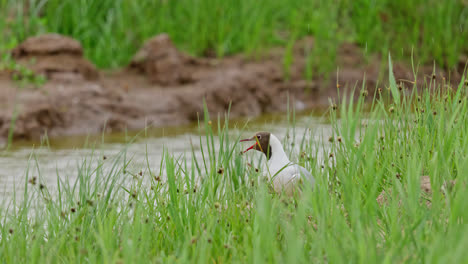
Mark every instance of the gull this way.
pixel 284 174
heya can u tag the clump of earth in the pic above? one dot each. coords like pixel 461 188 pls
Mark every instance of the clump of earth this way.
pixel 55 57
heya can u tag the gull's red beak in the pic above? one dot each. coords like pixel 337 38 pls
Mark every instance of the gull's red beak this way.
pixel 251 147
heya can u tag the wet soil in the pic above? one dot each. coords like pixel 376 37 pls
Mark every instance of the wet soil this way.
pixel 163 86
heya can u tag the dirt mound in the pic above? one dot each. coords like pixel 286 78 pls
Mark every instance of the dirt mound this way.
pixel 48 44
pixel 163 64
pixel 55 57
pixel 246 88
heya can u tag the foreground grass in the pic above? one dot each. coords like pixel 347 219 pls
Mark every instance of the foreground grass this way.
pixel 112 30
pixel 219 211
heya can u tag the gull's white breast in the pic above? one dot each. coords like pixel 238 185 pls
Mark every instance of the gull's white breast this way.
pixel 285 174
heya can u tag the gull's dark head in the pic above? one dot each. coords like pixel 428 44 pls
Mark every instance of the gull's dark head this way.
pixel 262 143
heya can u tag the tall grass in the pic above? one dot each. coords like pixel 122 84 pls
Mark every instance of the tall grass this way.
pixel 218 209
pixel 112 30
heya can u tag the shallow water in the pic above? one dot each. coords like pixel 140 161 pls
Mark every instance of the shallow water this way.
pixel 62 156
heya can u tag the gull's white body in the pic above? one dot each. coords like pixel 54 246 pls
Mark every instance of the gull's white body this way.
pixel 282 171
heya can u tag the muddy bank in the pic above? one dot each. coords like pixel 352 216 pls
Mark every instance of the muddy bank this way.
pixel 163 86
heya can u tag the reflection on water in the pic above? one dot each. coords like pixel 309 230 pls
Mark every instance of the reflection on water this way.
pixel 63 156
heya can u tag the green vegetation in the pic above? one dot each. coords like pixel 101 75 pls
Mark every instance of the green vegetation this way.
pixel 23 76
pixel 219 209
pixel 112 30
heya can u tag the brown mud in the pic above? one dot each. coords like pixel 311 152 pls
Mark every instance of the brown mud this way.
pixel 163 86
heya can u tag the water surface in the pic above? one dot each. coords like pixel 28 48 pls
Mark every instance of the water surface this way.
pixel 61 157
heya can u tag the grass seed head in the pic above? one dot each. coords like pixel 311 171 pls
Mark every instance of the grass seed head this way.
pixel 32 180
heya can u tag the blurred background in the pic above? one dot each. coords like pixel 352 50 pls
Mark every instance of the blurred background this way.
pixel 111 31
pixel 116 65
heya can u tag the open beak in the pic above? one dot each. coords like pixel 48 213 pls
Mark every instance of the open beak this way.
pixel 249 139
